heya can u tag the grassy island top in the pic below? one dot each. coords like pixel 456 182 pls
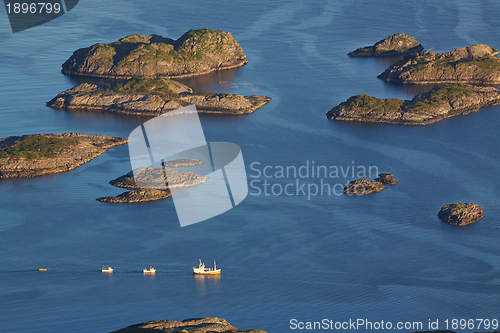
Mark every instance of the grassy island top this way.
pixel 139 85
pixel 165 88
pixel 35 147
pixel 434 98
pixel 450 62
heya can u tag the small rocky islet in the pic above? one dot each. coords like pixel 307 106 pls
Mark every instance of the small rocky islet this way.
pixel 475 64
pixel 43 154
pixel 150 184
pixel 364 186
pixel 441 102
pixel 142 96
pixel 461 214
pixel 196 52
pixel 194 325
pixel 395 45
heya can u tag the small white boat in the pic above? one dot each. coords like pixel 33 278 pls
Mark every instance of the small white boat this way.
pixel 201 269
pixel 107 269
pixel 151 270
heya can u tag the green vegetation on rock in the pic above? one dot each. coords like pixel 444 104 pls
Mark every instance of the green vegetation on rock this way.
pixel 138 85
pixel 440 94
pixel 443 93
pixel 36 146
pixel 372 103
pixel 195 52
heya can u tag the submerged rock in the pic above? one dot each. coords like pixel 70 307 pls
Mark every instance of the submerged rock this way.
pixel 394 45
pixel 476 64
pixel 151 97
pixel 196 52
pixel 441 102
pixel 461 214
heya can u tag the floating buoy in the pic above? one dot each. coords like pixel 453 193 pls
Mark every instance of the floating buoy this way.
pixel 42 269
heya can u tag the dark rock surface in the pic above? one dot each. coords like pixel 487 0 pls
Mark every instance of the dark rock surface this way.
pixel 87 148
pixel 475 64
pixel 394 45
pixel 441 102
pixel 152 98
pixel 195 325
pixel 386 179
pixel 461 214
pixel 196 52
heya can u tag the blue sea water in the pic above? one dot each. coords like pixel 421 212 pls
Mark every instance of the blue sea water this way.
pixel 379 257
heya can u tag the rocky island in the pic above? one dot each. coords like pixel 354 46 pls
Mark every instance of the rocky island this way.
pixel 394 45
pixel 364 186
pixel 442 101
pixel 461 214
pixel 152 184
pixel 152 97
pixel 42 154
pixel 194 325
pixel 475 64
pixel 196 52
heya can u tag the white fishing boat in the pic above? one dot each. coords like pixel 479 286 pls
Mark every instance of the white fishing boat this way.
pixel 151 270
pixel 107 269
pixel 201 269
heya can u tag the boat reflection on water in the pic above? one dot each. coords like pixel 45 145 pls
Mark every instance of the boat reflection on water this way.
pixel 207 284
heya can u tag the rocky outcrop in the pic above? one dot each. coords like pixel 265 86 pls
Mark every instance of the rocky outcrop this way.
pixel 461 214
pixel 441 102
pixel 386 179
pixel 394 45
pixel 152 97
pixel 182 163
pixel 158 178
pixel 196 52
pixel 82 149
pixel 151 184
pixel 137 196
pixel 476 64
pixel 363 186
pixel 195 325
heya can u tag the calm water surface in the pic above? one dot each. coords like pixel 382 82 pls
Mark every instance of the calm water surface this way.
pixel 381 257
